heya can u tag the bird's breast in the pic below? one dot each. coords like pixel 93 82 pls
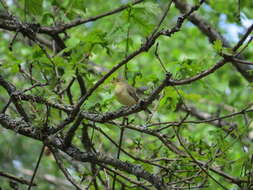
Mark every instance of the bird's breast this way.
pixel 123 96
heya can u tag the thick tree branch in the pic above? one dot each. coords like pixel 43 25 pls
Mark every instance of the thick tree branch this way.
pixel 144 47
pixel 11 89
pixel 214 35
pixel 26 129
pixel 9 22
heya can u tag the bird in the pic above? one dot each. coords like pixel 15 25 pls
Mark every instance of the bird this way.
pixel 125 93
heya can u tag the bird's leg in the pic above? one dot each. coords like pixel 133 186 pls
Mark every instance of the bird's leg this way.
pixel 142 104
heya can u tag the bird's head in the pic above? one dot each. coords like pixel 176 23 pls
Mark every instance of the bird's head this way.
pixel 117 80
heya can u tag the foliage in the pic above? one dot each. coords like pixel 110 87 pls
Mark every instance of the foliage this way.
pixel 58 60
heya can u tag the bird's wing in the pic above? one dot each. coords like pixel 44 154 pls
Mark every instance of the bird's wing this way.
pixel 132 92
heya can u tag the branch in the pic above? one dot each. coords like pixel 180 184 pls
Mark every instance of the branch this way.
pixel 26 129
pixel 18 179
pixel 198 76
pixel 206 117
pixel 162 137
pixel 36 167
pixel 10 23
pixel 58 182
pixel 71 132
pixel 214 35
pixel 11 89
pixel 242 40
pixel 191 156
pixel 41 100
pixel 64 170
pixel 145 47
pixel 63 28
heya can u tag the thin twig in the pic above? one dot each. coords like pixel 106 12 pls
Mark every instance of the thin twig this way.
pixel 36 167
pixel 15 178
pixel 119 148
pixel 246 45
pixel 191 156
pixel 242 40
pixel 62 28
pixel 159 59
pixel 64 170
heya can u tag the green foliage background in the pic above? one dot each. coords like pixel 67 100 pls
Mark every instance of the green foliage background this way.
pixel 107 42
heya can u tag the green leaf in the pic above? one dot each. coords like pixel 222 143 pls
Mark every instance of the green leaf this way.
pixel 47 18
pixel 34 7
pixel 149 7
pixel 217 45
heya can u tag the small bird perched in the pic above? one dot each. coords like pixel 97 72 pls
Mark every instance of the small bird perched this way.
pixel 125 93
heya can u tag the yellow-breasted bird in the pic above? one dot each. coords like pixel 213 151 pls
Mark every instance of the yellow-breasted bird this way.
pixel 125 93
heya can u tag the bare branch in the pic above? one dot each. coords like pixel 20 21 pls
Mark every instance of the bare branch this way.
pixel 17 179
